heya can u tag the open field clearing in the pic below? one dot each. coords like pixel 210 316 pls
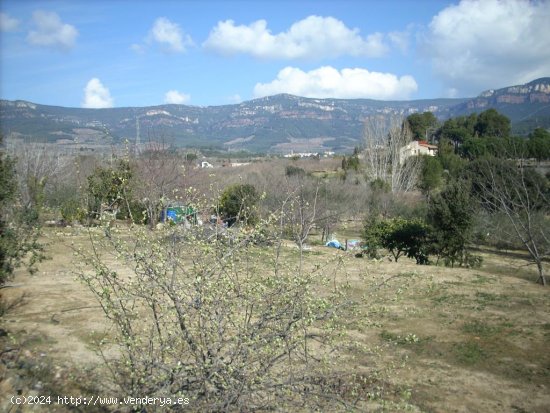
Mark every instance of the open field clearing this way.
pixel 427 338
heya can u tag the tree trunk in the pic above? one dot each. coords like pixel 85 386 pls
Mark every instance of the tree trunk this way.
pixel 542 278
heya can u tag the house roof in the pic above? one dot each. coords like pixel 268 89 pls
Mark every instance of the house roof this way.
pixel 427 145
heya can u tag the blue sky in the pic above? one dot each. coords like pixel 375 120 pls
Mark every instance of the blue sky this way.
pixel 137 53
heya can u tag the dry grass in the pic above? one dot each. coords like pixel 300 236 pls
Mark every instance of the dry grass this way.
pixel 439 339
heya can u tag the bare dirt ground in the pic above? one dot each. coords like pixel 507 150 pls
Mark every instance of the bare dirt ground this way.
pixel 448 339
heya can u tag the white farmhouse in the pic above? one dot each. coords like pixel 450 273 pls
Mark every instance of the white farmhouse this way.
pixel 416 148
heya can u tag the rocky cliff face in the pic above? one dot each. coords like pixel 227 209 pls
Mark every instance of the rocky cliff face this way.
pixel 537 91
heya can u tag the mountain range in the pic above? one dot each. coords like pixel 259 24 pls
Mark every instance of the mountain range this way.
pixel 274 124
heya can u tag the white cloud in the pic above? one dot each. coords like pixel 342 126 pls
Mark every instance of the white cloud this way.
pixel 481 44
pixel 169 35
pixel 96 95
pixel 313 37
pixel 7 23
pixel 328 82
pixel 173 96
pixel 51 31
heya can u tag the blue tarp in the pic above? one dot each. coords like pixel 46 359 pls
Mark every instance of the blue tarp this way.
pixel 333 244
pixel 172 213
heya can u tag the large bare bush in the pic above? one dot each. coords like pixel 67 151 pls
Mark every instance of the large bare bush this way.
pixel 206 314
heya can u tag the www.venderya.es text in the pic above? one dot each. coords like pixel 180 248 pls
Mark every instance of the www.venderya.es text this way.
pixel 99 400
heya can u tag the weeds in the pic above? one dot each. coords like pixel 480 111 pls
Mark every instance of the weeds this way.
pixel 481 279
pixel 407 339
pixel 479 328
pixel 469 353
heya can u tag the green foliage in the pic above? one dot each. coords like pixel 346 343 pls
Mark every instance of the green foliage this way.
pixel 72 211
pixel 292 170
pixel 488 124
pixel 491 123
pixel 399 236
pixel 135 210
pixel 421 123
pixel 509 147
pixel 456 130
pixel 237 203
pixel 539 144
pixel 380 186
pixel 8 184
pixel 453 165
pixel 451 216
pixel 109 187
pixel 8 239
pixel 473 148
pixel 19 224
pixel 431 174
pixel 445 147
pixel 352 162
pixel 488 134
pixel 374 232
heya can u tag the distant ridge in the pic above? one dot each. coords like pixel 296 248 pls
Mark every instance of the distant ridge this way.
pixel 275 124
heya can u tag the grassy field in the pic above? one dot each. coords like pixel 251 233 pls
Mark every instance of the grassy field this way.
pixel 430 339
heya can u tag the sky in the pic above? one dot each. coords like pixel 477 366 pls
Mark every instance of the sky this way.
pixel 119 53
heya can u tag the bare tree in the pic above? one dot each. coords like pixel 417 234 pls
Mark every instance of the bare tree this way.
pixel 377 156
pixel 520 195
pixel 158 178
pixel 384 140
pixel 303 212
pixel 311 204
pixel 37 165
